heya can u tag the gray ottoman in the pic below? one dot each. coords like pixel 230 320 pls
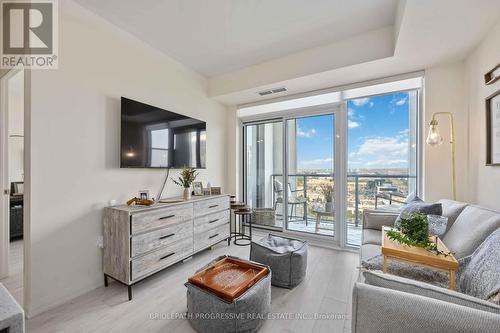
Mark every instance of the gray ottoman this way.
pixel 287 258
pixel 207 313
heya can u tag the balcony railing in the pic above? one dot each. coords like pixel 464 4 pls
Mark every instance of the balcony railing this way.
pixel 390 188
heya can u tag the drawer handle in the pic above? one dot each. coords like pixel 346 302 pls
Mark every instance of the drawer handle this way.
pixel 168 255
pixel 166 236
pixel 213 236
pixel 213 206
pixel 166 217
pixel 214 221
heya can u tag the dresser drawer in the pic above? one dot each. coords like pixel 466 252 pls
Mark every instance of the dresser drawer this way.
pixel 152 240
pixel 209 206
pixel 210 237
pixel 207 222
pixel 161 217
pixel 161 258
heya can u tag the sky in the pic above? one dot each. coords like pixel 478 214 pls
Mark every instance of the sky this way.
pixel 377 135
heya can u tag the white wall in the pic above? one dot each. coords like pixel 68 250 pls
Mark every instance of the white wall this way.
pixel 444 92
pixel 75 124
pixel 484 180
pixel 16 127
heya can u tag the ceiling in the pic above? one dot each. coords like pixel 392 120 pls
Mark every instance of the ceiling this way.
pixel 219 36
pixel 246 46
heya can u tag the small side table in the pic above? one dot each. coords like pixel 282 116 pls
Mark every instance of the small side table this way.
pixel 419 256
pixel 319 214
pixel 243 215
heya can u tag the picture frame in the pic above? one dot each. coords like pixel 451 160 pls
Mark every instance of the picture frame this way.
pixel 206 191
pixel 492 76
pixel 215 190
pixel 493 129
pixel 143 194
pixel 197 188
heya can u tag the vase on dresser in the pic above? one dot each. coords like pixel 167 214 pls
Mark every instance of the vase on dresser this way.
pixel 187 193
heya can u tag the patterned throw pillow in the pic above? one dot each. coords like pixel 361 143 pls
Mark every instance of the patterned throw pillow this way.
pixel 479 273
pixel 437 225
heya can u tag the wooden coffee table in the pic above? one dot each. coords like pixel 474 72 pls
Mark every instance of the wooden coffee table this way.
pixel 419 256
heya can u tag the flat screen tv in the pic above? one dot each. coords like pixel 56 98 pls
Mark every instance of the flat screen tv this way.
pixel 152 137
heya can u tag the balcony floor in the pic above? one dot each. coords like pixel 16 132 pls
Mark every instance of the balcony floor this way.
pixel 326 228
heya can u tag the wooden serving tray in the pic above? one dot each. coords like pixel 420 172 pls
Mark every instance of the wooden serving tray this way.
pixel 228 278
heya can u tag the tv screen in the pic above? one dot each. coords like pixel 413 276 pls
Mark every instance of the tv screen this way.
pixel 156 138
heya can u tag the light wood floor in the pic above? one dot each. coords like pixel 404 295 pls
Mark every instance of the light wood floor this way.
pixel 14 282
pixel 326 289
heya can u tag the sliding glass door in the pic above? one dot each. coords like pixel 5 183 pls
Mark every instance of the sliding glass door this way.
pixel 289 172
pixel 310 166
pixel 263 143
pixel 315 169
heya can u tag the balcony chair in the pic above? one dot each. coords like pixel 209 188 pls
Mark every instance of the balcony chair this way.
pixel 293 200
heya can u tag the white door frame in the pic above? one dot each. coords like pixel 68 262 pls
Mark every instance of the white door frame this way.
pixel 4 173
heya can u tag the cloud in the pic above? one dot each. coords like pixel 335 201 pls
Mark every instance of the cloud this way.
pixel 317 162
pixel 361 101
pixel 383 146
pixel 401 101
pixel 372 104
pixel 352 124
pixel 354 118
pixel 305 133
pixel 381 152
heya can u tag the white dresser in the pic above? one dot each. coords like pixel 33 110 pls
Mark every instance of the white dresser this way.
pixel 140 241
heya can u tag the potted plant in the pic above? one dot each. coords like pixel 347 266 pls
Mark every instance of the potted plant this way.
pixel 327 190
pixel 186 178
pixel 413 230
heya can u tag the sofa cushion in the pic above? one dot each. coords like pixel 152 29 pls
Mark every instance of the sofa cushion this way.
pixel 371 236
pixel 417 205
pixel 471 229
pixel 437 225
pixel 393 282
pixel 451 209
pixel 369 251
pixel 481 275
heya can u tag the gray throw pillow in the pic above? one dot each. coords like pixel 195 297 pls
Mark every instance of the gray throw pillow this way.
pixel 480 276
pixel 417 205
pixel 437 225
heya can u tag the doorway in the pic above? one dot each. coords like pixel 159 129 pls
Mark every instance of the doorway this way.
pixel 12 98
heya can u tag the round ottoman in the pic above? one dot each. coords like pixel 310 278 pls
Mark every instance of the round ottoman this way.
pixel 287 258
pixel 208 313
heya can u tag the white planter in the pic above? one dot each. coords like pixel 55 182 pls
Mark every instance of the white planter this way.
pixel 187 194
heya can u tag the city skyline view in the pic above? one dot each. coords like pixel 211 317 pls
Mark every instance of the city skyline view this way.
pixel 377 135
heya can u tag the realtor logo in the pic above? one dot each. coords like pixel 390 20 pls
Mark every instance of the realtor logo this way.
pixel 29 34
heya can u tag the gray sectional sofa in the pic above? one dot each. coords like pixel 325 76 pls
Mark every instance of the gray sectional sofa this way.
pixel 387 303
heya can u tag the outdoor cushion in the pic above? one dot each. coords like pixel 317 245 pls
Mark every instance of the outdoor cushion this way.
pixel 471 229
pixel 481 275
pixel 394 282
pixel 209 313
pixel 286 257
pixel 371 236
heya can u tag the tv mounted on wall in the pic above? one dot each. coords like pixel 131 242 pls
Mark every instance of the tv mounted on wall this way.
pixel 152 137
